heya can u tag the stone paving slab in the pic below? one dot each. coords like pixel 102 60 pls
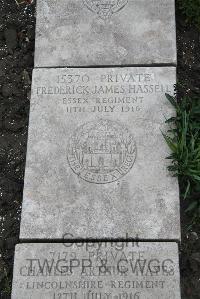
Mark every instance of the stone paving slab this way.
pixel 96 164
pixel 119 32
pixel 96 271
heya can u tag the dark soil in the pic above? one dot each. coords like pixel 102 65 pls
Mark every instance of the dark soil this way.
pixel 17 33
pixel 188 72
pixel 17 28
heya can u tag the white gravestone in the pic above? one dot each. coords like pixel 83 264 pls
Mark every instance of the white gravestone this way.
pixel 96 271
pixel 105 32
pixel 96 164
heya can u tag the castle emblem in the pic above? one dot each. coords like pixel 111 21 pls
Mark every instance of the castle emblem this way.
pixel 105 8
pixel 101 151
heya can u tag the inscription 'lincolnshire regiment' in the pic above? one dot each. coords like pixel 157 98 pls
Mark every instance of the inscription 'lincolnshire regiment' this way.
pixel 101 151
pixel 105 8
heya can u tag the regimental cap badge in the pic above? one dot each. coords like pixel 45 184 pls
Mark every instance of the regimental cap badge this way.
pixel 105 8
pixel 101 151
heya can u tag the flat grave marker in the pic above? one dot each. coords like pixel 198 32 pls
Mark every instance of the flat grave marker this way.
pixel 96 271
pixel 96 164
pixel 101 32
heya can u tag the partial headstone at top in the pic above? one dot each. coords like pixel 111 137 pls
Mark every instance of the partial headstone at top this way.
pixel 105 32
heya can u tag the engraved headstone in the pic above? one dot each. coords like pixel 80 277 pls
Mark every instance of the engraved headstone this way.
pixel 96 164
pixel 96 271
pixel 105 32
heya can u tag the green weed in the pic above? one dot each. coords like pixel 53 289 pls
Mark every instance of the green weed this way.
pixel 183 139
pixel 191 9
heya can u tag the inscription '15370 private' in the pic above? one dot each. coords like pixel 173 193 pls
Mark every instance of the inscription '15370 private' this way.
pixel 101 151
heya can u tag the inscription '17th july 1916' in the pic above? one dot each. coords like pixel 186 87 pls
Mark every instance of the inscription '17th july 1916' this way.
pixel 101 151
pixel 105 8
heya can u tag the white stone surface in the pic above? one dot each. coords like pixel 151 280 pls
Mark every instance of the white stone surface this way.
pixel 96 164
pixel 88 32
pixel 96 271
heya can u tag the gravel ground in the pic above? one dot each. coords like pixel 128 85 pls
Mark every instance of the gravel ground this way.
pixel 17 29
